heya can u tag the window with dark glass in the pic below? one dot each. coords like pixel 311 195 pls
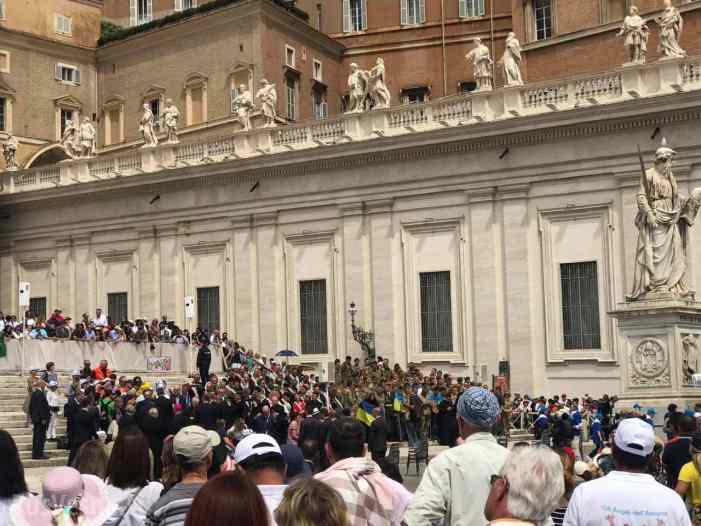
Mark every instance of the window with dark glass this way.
pixel 312 310
pixel 436 313
pixel 543 12
pixel 208 308
pixel 580 305
pixel 3 113
pixel 117 307
pixel 415 95
pixel 37 306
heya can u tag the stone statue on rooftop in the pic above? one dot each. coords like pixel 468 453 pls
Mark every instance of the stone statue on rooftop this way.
pixel 171 116
pixel 242 106
pixel 357 89
pixel 635 33
pixel 267 98
pixel 482 65
pixel 671 25
pixel 663 220
pixel 70 140
pixel 511 61
pixel 9 152
pixel 377 87
pixel 147 127
pixel 87 138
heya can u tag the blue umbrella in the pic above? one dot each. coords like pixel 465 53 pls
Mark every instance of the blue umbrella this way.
pixel 286 353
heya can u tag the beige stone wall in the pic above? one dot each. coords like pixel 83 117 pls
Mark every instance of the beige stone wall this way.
pixel 35 93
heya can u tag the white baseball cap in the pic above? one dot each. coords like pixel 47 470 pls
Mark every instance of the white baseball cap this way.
pixel 256 445
pixel 635 436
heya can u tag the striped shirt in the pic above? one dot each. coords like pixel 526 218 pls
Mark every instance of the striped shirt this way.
pixel 172 508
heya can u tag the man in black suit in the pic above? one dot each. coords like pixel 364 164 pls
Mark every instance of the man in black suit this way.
pixel 83 427
pixel 377 436
pixel 40 413
pixel 165 408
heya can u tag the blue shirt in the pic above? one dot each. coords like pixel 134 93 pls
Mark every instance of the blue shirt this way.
pixel 596 435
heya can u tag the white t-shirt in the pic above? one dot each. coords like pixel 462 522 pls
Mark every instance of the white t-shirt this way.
pixel 272 495
pixel 136 514
pixel 630 499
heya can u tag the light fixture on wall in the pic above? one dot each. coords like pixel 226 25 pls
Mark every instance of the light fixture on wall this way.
pixel 366 339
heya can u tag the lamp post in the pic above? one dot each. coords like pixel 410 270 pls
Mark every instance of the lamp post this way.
pixel 366 339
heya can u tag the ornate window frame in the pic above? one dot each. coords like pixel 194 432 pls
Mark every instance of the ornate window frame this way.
pixel 154 91
pixel 460 280
pixel 102 259
pixel 195 80
pixel 67 102
pixel 552 293
pixel 115 102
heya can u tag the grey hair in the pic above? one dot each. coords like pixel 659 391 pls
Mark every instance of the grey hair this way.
pixel 536 483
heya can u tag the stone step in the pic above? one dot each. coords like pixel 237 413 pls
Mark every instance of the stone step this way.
pixel 51 462
pixel 25 433
pixel 53 453
pixel 27 446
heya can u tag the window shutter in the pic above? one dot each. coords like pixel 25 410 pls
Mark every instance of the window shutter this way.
pixel 149 10
pixel 324 110
pixel 69 25
pixel 57 71
pixel 76 76
pixel 178 5
pixel 462 11
pixel 404 13
pixel 346 16
pixel 480 8
pixel 132 13
pixel 422 11
pixel 364 7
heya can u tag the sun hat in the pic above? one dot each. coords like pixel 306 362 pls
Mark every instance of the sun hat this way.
pixel 580 467
pixel 479 407
pixel 256 445
pixel 635 436
pixel 194 443
pixel 64 488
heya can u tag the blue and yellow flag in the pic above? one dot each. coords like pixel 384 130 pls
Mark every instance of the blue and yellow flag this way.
pixel 364 413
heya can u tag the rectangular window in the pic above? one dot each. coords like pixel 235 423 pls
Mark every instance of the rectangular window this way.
pixel 319 14
pixel 413 12
pixel 467 86
pixel 196 95
pixel 414 95
pixel 436 314
pixel 580 305
pixel 63 25
pixel 37 306
pixel 4 61
pixel 182 5
pixel 140 12
pixel 290 56
pixel 321 108
pixel 355 16
pixel 67 74
pixel 542 10
pixel 318 72
pixel 208 308
pixel 114 136
pixel 2 9
pixel 3 114
pixel 312 310
pixel 155 105
pixel 471 8
pixel 66 115
pixel 117 307
pixel 291 91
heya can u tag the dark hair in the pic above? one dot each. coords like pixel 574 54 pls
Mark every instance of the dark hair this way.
pixel 12 482
pixel 686 425
pixel 91 459
pixel 129 465
pixel 629 460
pixel 229 494
pixel 257 463
pixel 347 438
pixel 49 365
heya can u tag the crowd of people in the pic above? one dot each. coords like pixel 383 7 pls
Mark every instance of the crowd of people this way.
pixel 270 443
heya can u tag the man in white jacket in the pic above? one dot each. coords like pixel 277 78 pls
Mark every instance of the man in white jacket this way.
pixel 455 486
pixel 54 399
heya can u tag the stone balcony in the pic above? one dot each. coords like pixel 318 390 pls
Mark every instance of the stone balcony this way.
pixel 628 83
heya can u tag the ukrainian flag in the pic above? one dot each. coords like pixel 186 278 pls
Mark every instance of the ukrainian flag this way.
pixel 398 401
pixel 364 413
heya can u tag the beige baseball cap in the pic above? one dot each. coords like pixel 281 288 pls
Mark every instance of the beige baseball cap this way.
pixel 194 443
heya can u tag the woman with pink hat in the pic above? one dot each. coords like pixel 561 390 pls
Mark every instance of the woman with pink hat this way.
pixel 68 499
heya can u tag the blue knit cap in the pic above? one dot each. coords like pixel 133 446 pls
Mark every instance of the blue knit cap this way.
pixel 479 407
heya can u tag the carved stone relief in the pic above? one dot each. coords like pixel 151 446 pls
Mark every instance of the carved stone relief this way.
pixel 649 364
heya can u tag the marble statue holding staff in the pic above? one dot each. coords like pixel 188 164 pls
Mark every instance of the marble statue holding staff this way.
pixel 511 61
pixel 635 33
pixel 357 89
pixel 663 220
pixel 267 97
pixel 482 64
pixel 377 86
pixel 9 152
pixel 88 138
pixel 70 140
pixel 242 106
pixel 671 25
pixel 171 116
pixel 147 127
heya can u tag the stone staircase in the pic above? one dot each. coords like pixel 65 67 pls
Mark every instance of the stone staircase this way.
pixel 13 392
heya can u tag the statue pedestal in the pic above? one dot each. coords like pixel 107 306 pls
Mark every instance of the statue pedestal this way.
pixel 659 341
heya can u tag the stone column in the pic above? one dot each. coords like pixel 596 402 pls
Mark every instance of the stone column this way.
pixel 148 273
pixel 382 280
pixel 487 287
pixel 628 183
pixel 65 299
pixel 268 272
pixel 84 277
pixel 8 280
pixel 169 273
pixel 245 320
pixel 518 300
pixel 355 272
